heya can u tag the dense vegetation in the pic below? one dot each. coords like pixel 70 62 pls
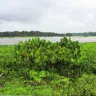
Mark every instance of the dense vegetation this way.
pixel 28 33
pixel 42 68
pixel 38 33
pixel 84 34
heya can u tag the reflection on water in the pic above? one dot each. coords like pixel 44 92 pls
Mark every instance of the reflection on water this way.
pixel 15 40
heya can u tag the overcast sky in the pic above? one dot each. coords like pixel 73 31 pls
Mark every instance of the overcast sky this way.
pixel 48 15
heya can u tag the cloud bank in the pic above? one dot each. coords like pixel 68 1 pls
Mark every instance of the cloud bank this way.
pixel 48 15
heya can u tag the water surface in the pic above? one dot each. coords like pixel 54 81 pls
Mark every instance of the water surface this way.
pixel 15 40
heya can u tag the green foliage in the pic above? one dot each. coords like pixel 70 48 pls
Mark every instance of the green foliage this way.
pixel 17 87
pixel 44 68
pixel 38 55
pixel 59 86
pixel 6 52
pixel 88 57
pixel 37 76
pixel 86 85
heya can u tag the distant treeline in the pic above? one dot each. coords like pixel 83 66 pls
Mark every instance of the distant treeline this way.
pixel 28 33
pixel 85 34
pixel 38 33
pixel 81 34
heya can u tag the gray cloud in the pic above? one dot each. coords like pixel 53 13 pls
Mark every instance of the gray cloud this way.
pixel 23 10
pixel 48 15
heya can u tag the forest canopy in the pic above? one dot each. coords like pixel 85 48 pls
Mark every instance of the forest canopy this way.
pixel 39 33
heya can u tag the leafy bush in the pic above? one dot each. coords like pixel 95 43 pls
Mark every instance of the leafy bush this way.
pixel 61 57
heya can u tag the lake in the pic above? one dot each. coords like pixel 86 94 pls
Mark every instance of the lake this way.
pixel 15 40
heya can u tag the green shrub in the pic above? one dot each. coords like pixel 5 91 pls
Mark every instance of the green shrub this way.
pixel 36 54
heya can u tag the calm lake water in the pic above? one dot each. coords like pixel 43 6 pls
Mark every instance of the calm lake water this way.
pixel 15 40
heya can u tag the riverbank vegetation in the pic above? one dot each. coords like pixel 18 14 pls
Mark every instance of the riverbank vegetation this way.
pixel 42 68
pixel 45 34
